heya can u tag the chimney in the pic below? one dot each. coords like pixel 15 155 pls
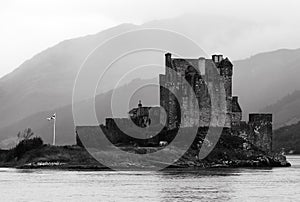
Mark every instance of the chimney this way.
pixel 168 60
pixel 220 58
pixel 201 66
pixel 215 58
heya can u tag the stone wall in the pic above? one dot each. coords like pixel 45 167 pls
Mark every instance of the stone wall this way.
pixel 260 131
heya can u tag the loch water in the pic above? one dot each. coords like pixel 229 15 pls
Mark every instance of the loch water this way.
pixel 239 184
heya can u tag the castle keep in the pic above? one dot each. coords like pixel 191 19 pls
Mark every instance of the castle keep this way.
pixel 210 82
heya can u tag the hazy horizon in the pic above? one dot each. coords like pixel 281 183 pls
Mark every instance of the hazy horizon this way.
pixel 47 23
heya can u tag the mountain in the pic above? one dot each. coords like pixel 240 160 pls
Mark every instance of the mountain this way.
pixel 265 78
pixel 286 111
pixel 44 84
pixel 46 81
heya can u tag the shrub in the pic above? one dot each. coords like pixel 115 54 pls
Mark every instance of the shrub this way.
pixel 27 145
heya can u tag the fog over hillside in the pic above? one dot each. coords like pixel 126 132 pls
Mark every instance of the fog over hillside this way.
pixel 44 83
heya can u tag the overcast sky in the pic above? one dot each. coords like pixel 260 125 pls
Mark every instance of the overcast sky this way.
pixel 30 26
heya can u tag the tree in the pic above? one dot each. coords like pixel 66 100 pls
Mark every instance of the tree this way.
pixel 25 135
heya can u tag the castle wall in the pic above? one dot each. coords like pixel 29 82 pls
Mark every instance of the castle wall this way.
pixel 260 131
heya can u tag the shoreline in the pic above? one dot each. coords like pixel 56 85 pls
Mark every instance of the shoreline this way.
pixel 247 164
pixel 226 154
pixel 169 168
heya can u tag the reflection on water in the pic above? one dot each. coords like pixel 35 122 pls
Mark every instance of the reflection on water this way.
pixel 275 184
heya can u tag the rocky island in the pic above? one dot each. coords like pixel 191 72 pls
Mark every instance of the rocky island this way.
pixel 32 153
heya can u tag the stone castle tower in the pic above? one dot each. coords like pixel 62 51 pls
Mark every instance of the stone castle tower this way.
pixel 210 80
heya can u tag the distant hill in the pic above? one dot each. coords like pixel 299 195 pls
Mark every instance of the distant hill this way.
pixel 46 81
pixel 287 137
pixel 286 111
pixel 265 78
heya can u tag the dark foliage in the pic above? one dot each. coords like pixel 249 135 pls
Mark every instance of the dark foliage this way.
pixel 27 145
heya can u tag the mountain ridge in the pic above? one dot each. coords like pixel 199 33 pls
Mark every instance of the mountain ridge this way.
pixel 45 82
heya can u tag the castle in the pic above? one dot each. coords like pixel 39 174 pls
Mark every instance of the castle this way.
pixel 206 83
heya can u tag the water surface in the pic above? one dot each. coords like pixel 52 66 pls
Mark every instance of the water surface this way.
pixel 277 184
